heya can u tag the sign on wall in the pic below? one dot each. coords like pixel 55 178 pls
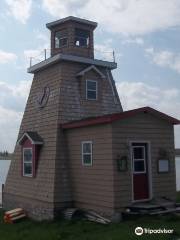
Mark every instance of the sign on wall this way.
pixel 43 97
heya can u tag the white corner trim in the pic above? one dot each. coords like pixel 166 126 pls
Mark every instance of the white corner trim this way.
pixel 92 67
pixel 32 142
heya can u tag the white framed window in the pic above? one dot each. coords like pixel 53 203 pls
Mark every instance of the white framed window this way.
pixel 91 90
pixel 27 162
pixel 87 154
pixel 139 159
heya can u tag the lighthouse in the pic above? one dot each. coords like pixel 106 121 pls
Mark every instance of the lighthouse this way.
pixel 70 85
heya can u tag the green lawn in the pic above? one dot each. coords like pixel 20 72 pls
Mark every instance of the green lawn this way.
pixel 84 230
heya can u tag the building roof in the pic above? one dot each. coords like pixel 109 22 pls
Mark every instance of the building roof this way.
pixel 119 116
pixel 92 67
pixel 32 136
pixel 71 18
pixel 67 57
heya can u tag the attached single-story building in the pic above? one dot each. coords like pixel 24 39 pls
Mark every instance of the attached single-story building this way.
pixel 118 159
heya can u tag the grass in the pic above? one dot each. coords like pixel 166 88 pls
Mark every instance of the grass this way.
pixel 84 230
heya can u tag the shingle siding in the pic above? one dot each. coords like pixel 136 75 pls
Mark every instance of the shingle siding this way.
pixel 160 134
pixel 52 181
pixel 92 186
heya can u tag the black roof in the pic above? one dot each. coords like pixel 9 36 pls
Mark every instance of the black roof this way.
pixel 71 18
pixel 33 136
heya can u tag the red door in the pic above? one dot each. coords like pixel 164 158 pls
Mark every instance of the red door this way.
pixel 140 171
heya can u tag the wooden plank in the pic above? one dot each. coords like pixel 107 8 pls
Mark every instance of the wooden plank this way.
pixel 164 211
pixel 18 217
pixel 14 211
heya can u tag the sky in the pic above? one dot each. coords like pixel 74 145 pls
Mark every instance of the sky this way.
pixel 144 34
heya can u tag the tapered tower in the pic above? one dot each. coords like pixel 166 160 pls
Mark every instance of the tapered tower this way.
pixel 70 85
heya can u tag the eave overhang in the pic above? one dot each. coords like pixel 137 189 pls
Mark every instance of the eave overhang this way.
pixel 73 19
pixel 32 136
pixel 105 119
pixel 71 58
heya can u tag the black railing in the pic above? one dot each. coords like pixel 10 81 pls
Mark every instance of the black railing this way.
pixel 46 53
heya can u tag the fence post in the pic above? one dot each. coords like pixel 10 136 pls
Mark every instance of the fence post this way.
pixel 45 54
pixel 30 63
pixel 114 56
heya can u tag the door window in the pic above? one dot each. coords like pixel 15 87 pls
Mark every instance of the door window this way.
pixel 139 159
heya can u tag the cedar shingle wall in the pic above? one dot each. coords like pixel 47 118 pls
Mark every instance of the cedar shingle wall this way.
pixel 92 186
pixel 71 48
pixel 143 127
pixel 72 96
pixel 51 183
pixel 45 122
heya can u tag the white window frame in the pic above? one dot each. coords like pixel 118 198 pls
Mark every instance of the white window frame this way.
pixel 137 160
pixel 24 174
pixel 91 154
pixel 89 80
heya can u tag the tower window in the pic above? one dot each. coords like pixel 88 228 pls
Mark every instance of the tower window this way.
pixel 81 37
pixel 27 162
pixel 91 90
pixel 61 39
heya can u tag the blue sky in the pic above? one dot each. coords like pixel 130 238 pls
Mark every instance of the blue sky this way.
pixel 144 34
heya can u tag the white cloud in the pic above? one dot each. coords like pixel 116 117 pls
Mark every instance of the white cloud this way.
pixel 165 58
pixel 12 103
pixel 9 126
pixel 38 54
pixel 6 57
pixel 104 51
pixel 42 37
pixel 138 94
pixel 137 40
pixel 20 9
pixel 129 17
pixel 12 96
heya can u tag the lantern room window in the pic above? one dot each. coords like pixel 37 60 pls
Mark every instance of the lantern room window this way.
pixel 81 37
pixel 61 39
pixel 27 162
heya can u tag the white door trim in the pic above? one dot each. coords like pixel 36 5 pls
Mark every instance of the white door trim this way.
pixel 149 169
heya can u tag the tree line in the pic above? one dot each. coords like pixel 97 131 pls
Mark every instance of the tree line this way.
pixel 4 153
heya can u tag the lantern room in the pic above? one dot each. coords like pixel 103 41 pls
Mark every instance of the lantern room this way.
pixel 72 36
